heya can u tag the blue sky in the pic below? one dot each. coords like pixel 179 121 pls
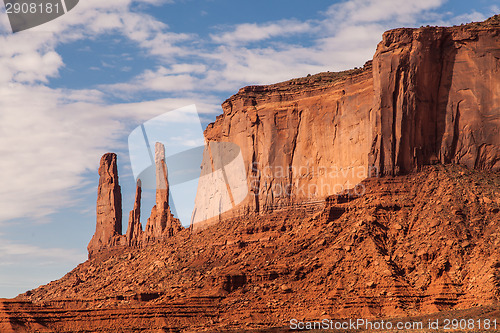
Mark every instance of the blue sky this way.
pixel 74 88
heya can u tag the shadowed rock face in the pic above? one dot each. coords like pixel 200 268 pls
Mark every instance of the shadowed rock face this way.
pixel 109 207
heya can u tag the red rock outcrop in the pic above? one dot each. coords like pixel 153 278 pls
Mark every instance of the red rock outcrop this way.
pixel 134 231
pixel 301 140
pixel 161 223
pixel 431 95
pixel 411 245
pixel 222 184
pixel 109 207
pixel 437 97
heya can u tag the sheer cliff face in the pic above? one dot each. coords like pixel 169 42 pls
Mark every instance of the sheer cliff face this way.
pixel 431 96
pixel 293 136
pixel 437 96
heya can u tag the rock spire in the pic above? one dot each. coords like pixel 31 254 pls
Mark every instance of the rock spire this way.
pixel 134 231
pixel 161 223
pixel 109 207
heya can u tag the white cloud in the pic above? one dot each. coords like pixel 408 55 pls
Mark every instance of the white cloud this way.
pixel 155 2
pixel 185 68
pixel 240 66
pixel 49 140
pixel 252 32
pixel 347 37
pixel 27 59
pixel 473 16
pixel 354 12
pixel 163 79
pixel 30 56
pixel 11 252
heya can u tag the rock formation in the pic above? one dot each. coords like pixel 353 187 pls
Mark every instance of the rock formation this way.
pixel 437 97
pixel 411 245
pixel 430 95
pixel 300 140
pixel 161 223
pixel 406 244
pixel 109 207
pixel 134 231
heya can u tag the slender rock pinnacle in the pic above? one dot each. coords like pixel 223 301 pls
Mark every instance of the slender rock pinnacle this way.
pixel 134 230
pixel 161 223
pixel 109 207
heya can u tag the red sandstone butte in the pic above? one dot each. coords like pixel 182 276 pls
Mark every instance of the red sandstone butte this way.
pixel 430 95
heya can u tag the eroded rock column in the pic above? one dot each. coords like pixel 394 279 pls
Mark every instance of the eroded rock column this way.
pixel 161 223
pixel 134 230
pixel 109 207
